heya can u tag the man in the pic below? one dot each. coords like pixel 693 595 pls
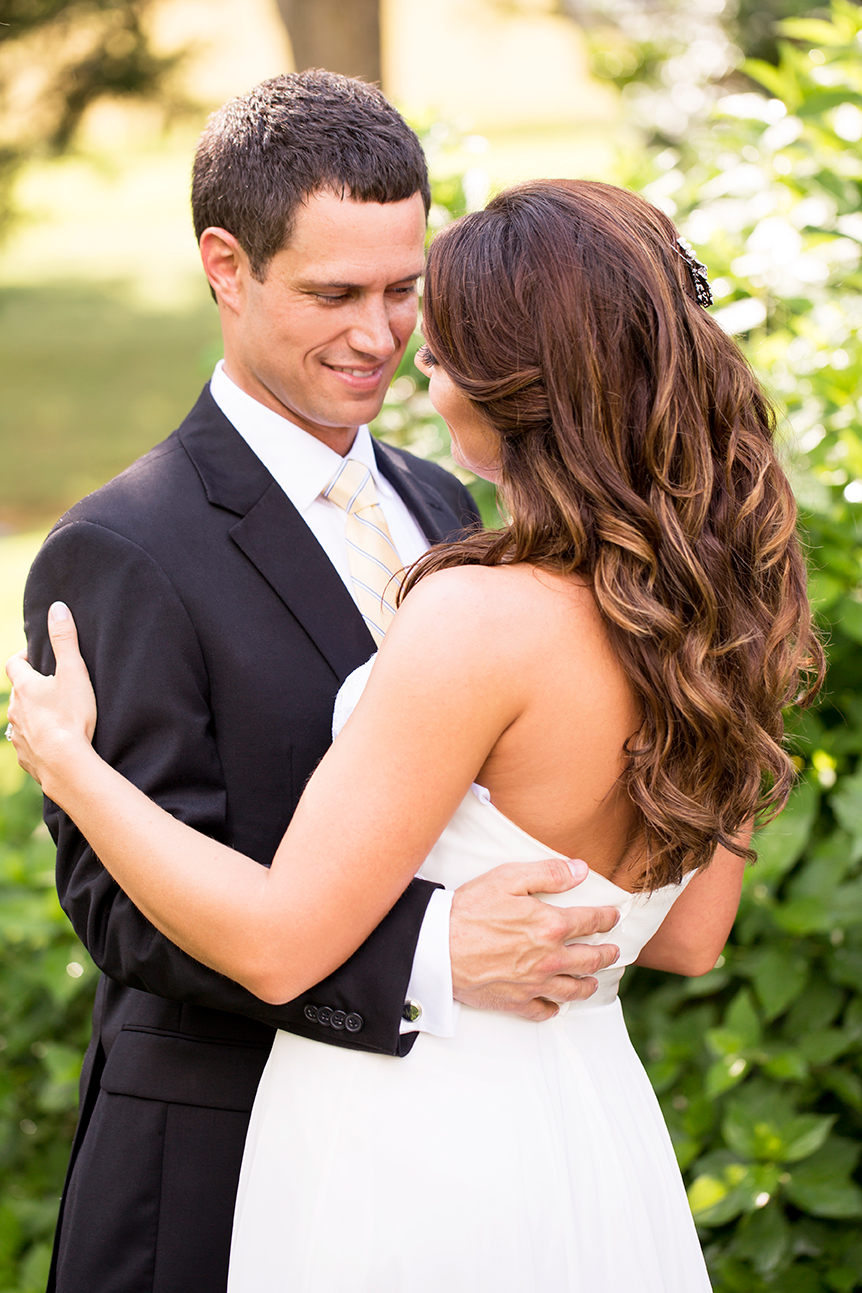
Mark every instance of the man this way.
pixel 213 592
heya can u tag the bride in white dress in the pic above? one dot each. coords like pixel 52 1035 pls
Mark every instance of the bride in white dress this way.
pixel 604 677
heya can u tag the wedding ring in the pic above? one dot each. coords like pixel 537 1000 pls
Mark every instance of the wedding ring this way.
pixel 8 731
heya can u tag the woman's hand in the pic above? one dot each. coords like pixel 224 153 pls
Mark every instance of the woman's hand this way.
pixel 51 717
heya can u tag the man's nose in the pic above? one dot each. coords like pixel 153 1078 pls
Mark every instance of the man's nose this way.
pixel 371 331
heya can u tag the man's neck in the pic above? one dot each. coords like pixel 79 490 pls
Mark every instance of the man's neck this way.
pixel 338 439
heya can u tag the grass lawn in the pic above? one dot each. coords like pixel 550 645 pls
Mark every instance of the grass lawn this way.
pixel 93 379
pixel 16 555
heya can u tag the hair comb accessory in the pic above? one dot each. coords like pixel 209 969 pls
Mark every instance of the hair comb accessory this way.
pixel 698 271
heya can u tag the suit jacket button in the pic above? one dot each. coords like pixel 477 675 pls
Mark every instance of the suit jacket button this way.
pixel 338 1019
pixel 353 1023
pixel 310 1012
pixel 324 1015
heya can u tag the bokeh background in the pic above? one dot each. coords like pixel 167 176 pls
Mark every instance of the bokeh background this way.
pixel 743 120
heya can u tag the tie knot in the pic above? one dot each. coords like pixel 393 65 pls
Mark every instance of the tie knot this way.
pixel 352 487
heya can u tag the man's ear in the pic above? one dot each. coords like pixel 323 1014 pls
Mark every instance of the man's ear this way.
pixel 225 265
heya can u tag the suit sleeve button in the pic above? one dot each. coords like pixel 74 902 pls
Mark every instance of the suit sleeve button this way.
pixel 310 1013
pixel 353 1023
pixel 338 1019
pixel 324 1015
pixel 411 1012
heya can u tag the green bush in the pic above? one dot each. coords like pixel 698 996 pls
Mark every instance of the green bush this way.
pixel 758 1064
pixel 46 988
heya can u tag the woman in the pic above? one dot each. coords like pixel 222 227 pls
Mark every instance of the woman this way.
pixel 604 676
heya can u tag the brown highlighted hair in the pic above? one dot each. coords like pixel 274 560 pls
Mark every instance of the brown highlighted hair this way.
pixel 637 450
pixel 261 156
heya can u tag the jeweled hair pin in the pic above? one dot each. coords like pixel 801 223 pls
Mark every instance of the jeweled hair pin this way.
pixel 698 271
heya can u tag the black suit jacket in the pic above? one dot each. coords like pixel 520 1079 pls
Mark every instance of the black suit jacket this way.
pixel 217 633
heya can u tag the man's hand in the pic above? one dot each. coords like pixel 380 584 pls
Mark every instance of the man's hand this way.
pixel 509 948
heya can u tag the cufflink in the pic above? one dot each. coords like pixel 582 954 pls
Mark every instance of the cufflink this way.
pixel 411 1011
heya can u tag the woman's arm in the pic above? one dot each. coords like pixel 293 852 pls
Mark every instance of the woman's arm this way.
pixel 334 876
pixel 691 936
pixel 156 726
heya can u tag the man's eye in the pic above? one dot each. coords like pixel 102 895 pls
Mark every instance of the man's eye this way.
pixel 330 298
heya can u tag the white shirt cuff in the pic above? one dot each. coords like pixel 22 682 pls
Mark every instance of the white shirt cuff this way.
pixel 430 986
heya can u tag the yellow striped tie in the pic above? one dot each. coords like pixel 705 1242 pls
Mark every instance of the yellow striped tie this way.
pixel 375 566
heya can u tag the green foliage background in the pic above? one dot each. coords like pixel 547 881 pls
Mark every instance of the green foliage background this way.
pixel 46 990
pixel 757 1064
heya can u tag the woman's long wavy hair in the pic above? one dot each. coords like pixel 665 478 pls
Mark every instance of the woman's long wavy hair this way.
pixel 636 449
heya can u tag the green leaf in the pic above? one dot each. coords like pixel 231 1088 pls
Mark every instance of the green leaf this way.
pixel 849 615
pixel 846 905
pixel 725 1074
pixel 843 1279
pixel 10 1234
pixel 715 1200
pixel 707 1192
pixel 760 1123
pixel 846 1085
pixel 781 843
pixel 803 916
pixel 804 1135
pixel 822 1184
pixel 779 978
pixel 846 967
pixel 846 803
pixel 778 81
pixel 825 590
pixel 815 104
pixel 742 1019
pixel 814 31
pixel 764 1238
pixel 788 1065
pixel 724 1191
pixel 825 1046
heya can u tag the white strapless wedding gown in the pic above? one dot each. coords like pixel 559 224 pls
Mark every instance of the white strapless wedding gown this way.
pixel 512 1158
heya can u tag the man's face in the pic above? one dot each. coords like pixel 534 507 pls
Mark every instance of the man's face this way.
pixel 320 339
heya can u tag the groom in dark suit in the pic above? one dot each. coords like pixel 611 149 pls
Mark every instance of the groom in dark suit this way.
pixel 212 594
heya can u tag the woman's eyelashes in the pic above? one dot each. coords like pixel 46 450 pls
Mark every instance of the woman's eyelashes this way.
pixel 424 356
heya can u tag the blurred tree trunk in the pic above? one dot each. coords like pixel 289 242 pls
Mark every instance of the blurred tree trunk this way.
pixel 339 35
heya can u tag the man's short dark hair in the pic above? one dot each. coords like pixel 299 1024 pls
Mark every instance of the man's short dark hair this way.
pixel 261 156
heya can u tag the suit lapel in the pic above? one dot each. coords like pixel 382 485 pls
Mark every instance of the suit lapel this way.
pixel 435 517
pixel 275 538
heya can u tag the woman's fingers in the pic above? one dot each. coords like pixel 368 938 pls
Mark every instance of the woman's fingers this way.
pixel 64 638
pixel 45 710
pixel 17 667
pixel 71 673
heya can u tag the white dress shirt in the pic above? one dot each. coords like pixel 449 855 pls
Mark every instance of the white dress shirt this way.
pixel 303 466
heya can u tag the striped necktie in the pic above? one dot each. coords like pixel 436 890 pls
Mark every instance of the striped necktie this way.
pixel 375 566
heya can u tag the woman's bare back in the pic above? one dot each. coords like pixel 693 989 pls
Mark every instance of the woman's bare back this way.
pixel 556 769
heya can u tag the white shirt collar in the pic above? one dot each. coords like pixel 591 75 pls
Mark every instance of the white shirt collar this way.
pixel 301 464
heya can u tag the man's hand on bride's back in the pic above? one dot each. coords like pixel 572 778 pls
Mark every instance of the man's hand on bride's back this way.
pixel 512 951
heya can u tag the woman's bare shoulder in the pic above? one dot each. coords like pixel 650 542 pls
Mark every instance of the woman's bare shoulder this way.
pixel 480 591
pixel 507 619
